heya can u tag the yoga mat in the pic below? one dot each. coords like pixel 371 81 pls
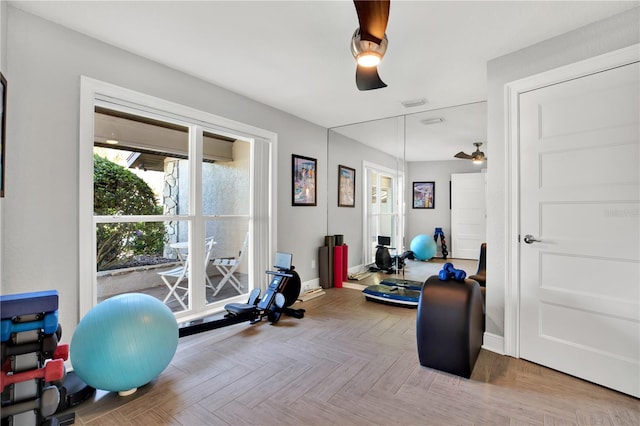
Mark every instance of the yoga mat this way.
pixel 345 263
pixel 330 241
pixel 337 266
pixel 323 267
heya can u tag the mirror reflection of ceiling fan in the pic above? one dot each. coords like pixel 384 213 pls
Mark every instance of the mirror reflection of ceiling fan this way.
pixel 477 156
pixel 369 42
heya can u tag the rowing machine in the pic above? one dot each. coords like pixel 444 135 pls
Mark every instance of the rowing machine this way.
pixel 282 292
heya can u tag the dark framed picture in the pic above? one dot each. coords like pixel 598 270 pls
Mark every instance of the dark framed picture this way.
pixel 303 180
pixel 424 195
pixel 3 127
pixel 346 186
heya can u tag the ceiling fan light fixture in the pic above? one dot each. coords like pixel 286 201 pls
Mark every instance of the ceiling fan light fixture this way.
pixel 368 59
pixel 477 156
pixel 367 53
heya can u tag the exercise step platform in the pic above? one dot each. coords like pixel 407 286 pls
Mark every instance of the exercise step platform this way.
pixel 392 295
pixel 400 282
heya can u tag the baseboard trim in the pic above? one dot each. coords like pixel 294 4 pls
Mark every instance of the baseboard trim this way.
pixel 310 285
pixel 493 342
pixel 308 295
pixel 356 269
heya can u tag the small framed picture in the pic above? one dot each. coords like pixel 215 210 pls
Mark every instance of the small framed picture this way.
pixel 346 186
pixel 424 195
pixel 303 180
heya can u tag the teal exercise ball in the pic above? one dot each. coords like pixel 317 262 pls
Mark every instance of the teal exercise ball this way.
pixel 423 247
pixel 124 342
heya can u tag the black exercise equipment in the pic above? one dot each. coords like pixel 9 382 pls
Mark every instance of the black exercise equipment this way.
pixel 450 325
pixel 391 291
pixel 481 275
pixel 73 391
pixel 395 292
pixel 282 292
pixel 384 261
pixel 401 282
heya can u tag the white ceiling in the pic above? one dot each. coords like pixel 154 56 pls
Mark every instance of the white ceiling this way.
pixel 294 55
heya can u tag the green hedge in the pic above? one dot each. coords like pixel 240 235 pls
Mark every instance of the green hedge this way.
pixel 118 191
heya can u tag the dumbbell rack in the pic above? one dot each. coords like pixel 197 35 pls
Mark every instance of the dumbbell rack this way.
pixel 32 360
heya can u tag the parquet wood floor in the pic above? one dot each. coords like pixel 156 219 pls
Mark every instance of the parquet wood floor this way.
pixel 348 362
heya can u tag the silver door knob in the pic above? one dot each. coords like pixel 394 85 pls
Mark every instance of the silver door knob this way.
pixel 530 239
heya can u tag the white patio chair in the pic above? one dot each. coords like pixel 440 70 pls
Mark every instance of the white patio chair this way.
pixel 227 266
pixel 181 273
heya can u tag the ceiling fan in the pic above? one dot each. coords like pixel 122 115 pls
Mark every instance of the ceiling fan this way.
pixel 369 42
pixel 477 156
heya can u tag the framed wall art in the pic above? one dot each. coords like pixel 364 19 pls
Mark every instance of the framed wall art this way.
pixel 424 195
pixel 346 186
pixel 3 126
pixel 303 180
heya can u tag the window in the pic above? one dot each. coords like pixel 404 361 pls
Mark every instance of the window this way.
pixel 173 190
pixel 383 208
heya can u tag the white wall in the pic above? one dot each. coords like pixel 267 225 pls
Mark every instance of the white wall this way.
pixel 43 66
pixel 611 34
pixel 424 221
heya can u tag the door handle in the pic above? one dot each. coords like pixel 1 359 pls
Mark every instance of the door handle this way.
pixel 530 239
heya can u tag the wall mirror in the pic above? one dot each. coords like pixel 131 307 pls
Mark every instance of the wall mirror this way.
pixel 387 155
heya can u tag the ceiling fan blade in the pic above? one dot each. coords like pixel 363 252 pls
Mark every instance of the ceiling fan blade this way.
pixel 367 78
pixel 373 17
pixel 463 156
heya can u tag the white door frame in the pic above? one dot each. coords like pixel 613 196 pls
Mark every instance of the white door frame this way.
pixel 513 91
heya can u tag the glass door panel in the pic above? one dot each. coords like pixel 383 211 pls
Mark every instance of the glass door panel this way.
pixel 226 193
pixel 137 257
pixel 226 175
pixel 228 273
pixel 141 207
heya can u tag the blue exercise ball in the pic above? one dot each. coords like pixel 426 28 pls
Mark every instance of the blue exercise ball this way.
pixel 124 342
pixel 423 247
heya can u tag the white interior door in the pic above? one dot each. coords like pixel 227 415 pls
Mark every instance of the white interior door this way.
pixel 580 198
pixel 468 214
